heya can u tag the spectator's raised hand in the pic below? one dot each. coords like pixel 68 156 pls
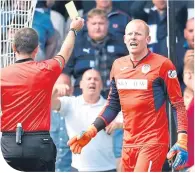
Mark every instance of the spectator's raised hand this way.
pixel 61 90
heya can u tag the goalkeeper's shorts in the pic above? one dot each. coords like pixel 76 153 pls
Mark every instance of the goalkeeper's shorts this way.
pixel 144 158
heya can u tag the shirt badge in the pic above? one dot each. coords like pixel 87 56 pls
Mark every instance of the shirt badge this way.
pixel 110 48
pixel 145 68
pixel 115 25
pixel 172 74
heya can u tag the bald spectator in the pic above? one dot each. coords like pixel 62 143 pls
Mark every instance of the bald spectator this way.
pixel 79 112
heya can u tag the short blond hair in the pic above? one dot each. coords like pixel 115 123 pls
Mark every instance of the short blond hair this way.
pixel 97 12
pixel 142 22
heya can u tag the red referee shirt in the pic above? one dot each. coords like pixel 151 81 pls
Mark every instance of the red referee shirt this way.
pixel 26 90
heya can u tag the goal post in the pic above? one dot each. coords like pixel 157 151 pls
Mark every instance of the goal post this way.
pixel 14 14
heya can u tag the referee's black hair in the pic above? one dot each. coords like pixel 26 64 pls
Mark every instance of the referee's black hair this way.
pixel 26 40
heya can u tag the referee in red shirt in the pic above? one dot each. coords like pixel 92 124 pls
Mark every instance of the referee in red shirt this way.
pixel 26 89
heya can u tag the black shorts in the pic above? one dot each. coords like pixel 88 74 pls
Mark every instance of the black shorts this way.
pixel 37 152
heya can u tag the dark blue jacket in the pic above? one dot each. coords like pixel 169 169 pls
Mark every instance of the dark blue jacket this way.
pixel 84 56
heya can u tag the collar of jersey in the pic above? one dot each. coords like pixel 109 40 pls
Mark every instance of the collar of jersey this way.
pixel 134 66
pixel 24 60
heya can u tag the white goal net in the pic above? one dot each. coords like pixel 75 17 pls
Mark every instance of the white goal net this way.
pixel 14 14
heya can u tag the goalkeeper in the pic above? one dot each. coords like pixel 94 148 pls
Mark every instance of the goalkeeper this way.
pixel 140 84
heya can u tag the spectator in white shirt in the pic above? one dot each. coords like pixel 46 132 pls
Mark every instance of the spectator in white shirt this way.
pixel 79 113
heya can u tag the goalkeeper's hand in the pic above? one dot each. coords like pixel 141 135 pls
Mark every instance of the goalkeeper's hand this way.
pixel 78 142
pixel 180 150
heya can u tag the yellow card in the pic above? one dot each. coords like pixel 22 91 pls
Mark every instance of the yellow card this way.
pixel 71 9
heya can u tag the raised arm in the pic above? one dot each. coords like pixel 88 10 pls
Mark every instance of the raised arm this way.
pixel 59 90
pixel 68 44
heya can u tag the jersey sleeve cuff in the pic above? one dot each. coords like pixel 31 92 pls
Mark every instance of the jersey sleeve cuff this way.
pixel 99 124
